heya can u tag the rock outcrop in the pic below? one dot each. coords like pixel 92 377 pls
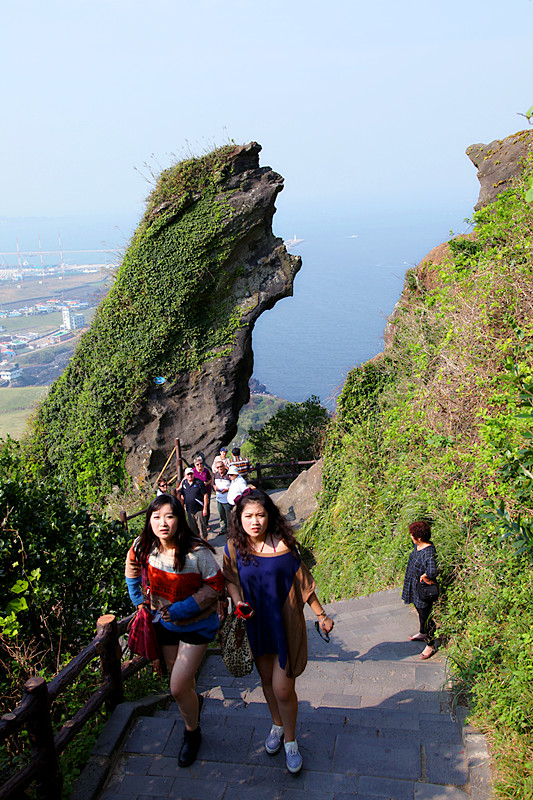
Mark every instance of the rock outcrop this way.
pixel 498 163
pixel 200 269
pixel 202 406
pixel 301 498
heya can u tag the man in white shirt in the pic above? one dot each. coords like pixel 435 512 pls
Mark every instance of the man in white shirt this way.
pixel 238 484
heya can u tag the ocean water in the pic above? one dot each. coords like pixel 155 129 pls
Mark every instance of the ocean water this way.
pixel 352 275
pixel 354 263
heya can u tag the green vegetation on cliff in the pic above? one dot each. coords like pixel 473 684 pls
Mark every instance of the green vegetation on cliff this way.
pixel 294 431
pixel 169 311
pixel 430 429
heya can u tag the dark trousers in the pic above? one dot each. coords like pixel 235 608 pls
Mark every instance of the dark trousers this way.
pixel 427 625
pixel 223 512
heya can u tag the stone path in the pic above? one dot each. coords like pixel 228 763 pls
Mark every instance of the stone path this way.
pixel 374 723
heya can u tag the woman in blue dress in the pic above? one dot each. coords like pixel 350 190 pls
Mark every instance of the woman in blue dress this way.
pixel 263 570
pixel 421 567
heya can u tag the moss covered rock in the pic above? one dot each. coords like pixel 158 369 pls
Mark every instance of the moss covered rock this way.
pixel 201 267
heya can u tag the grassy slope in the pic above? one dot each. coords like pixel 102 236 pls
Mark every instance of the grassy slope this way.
pixel 422 432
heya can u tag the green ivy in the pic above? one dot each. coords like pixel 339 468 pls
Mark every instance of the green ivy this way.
pixel 170 310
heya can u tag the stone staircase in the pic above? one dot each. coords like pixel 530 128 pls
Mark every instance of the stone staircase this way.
pixel 374 723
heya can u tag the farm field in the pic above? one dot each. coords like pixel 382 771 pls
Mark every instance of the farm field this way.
pixel 53 286
pixel 40 324
pixel 16 406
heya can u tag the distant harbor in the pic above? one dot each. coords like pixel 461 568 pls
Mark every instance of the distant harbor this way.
pixel 26 272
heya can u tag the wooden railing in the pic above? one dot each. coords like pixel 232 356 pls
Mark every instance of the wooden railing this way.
pixel 293 464
pixel 34 710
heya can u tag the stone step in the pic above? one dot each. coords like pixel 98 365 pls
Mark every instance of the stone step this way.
pixel 374 722
pixel 382 721
pixel 347 753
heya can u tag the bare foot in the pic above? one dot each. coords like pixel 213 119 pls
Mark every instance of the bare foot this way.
pixel 418 637
pixel 427 652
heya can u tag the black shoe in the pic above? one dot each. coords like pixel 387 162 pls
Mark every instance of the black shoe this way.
pixel 189 748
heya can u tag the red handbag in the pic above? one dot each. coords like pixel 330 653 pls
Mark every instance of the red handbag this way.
pixel 142 639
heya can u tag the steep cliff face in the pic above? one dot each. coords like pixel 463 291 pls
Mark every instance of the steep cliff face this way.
pixel 201 267
pixel 420 428
pixel 498 163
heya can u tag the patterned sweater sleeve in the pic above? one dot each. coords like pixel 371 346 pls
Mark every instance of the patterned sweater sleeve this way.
pixel 209 592
pixel 213 581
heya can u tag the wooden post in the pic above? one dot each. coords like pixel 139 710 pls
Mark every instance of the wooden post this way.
pixel 179 462
pixel 41 735
pixel 258 471
pixel 124 520
pixel 110 657
pixel 293 469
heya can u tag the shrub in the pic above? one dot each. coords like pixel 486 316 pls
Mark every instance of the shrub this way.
pixel 295 431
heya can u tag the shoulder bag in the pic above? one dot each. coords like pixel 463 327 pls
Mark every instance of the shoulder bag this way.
pixel 236 653
pixel 427 592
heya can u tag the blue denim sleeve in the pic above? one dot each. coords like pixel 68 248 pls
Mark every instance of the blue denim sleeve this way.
pixel 183 609
pixel 134 590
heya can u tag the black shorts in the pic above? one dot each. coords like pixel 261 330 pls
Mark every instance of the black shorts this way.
pixel 164 636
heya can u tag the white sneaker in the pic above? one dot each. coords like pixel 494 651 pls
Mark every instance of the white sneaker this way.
pixel 293 757
pixel 274 740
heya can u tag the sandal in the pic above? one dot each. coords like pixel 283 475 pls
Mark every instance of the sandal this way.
pixel 423 655
pixel 418 637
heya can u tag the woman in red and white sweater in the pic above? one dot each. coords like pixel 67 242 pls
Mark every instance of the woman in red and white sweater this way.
pixel 185 584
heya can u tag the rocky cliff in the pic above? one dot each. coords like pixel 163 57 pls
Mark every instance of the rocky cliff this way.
pixel 201 267
pixel 498 163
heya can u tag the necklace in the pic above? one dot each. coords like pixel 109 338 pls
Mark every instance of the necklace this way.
pixel 264 542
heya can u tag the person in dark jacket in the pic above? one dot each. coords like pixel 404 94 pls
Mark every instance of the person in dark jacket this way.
pixel 421 568
pixel 194 497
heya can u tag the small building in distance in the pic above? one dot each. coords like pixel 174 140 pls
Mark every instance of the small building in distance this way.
pixel 9 371
pixel 71 321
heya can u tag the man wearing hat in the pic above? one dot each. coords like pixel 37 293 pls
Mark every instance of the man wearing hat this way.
pixel 238 484
pixel 193 495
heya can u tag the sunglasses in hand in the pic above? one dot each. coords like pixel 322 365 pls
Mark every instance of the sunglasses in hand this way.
pixel 322 633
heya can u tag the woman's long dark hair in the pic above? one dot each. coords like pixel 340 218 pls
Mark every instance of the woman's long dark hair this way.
pixel 186 540
pixel 277 524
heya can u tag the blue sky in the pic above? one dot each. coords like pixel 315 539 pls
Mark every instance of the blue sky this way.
pixel 366 109
pixel 354 103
